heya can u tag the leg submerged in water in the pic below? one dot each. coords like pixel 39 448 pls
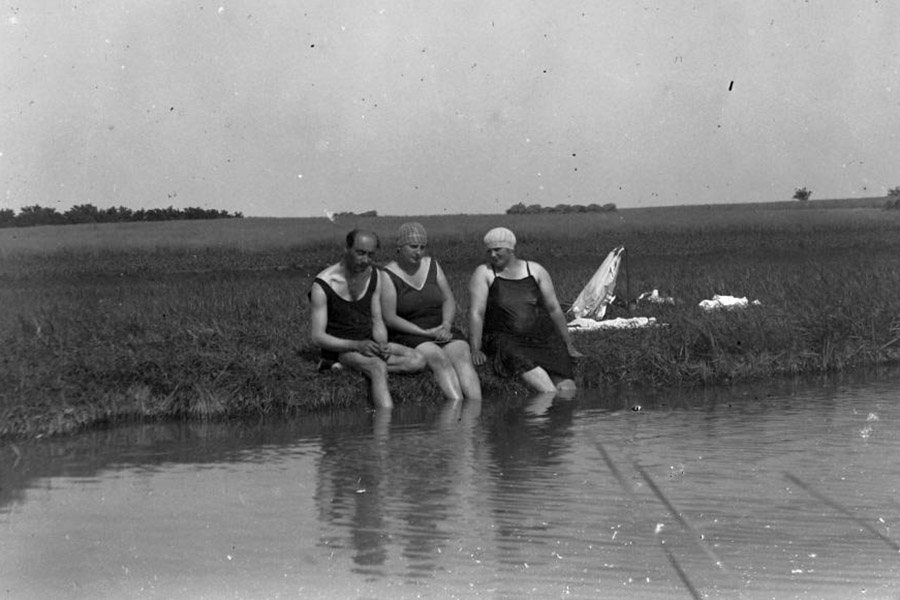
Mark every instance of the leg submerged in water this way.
pixel 376 371
pixel 540 403
pixel 566 387
pixel 538 379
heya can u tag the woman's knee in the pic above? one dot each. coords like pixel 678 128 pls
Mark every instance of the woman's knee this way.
pixel 461 356
pixel 538 379
pixel 566 384
pixel 434 356
pixel 459 350
pixel 440 360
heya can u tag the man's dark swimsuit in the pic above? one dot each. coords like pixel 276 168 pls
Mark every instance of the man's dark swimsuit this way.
pixel 347 319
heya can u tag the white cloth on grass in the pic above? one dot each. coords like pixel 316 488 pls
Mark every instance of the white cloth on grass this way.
pixel 728 302
pixel 582 324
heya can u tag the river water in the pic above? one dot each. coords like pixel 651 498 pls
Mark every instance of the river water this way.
pixel 779 491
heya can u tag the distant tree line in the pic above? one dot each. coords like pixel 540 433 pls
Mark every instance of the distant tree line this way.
pixel 893 201
pixel 350 213
pixel 535 209
pixel 31 216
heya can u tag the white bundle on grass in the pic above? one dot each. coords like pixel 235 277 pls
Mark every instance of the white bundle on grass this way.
pixel 600 290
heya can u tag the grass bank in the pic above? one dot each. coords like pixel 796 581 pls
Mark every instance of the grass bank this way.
pixel 132 329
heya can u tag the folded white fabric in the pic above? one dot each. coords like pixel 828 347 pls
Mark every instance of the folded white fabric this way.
pixel 718 302
pixel 583 324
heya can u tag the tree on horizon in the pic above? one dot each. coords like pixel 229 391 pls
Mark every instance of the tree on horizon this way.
pixel 80 214
pixel 802 194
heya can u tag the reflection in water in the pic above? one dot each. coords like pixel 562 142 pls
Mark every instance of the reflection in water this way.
pixel 528 448
pixel 343 496
pixel 750 493
pixel 408 484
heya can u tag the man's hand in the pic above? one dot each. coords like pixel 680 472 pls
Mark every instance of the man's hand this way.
pixel 373 348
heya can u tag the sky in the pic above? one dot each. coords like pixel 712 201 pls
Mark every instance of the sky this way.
pixel 291 108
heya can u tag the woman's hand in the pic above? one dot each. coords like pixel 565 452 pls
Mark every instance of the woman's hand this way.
pixel 573 351
pixel 445 333
pixel 478 358
pixel 441 333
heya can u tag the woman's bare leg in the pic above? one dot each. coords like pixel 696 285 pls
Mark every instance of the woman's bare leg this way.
pixel 566 387
pixel 540 403
pixel 539 380
pixel 444 373
pixel 461 357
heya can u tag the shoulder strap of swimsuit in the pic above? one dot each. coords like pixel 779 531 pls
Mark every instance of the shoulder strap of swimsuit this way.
pixel 324 285
pixel 393 275
pixel 432 270
pixel 527 268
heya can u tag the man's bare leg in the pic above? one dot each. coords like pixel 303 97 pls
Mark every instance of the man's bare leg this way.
pixel 376 370
pixel 404 359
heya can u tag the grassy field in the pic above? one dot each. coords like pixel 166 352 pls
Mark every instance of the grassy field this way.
pixel 208 320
